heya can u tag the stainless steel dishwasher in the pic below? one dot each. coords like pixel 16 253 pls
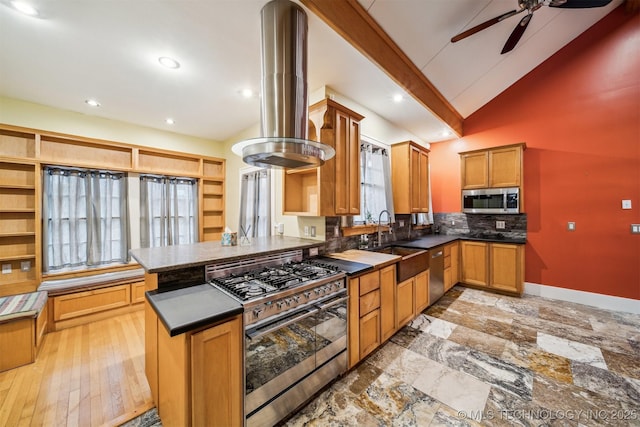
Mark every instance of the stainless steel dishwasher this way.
pixel 436 275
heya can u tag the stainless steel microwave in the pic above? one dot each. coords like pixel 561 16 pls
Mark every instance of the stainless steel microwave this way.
pixel 491 201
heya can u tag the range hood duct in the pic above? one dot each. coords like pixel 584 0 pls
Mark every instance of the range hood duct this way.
pixel 284 105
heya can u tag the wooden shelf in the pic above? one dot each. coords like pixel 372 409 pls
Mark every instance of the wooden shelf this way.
pixel 18 233
pixel 17 257
pixel 17 210
pixel 18 187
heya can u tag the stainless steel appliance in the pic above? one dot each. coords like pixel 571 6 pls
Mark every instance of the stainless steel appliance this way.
pixel 295 329
pixel 436 275
pixel 491 201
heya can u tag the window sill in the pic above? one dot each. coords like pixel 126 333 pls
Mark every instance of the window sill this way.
pixel 358 230
pixel 68 274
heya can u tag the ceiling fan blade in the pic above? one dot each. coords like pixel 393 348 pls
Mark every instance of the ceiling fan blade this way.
pixel 579 4
pixel 514 38
pixel 484 25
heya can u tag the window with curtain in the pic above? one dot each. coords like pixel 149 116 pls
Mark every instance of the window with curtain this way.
pixel 168 211
pixel 255 203
pixel 85 218
pixel 375 187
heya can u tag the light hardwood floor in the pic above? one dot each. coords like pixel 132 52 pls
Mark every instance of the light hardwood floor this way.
pixel 89 375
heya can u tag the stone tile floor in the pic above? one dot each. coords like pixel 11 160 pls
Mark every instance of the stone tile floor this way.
pixel 477 358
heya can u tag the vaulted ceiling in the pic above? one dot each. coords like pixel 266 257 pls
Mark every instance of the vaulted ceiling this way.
pixel 366 50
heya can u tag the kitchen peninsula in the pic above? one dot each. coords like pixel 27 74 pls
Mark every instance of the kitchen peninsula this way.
pixel 189 324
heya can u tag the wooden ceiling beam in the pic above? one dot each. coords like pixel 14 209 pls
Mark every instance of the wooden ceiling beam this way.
pixel 351 21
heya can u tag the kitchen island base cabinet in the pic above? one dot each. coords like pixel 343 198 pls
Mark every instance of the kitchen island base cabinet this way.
pixel 493 266
pixel 217 393
pixel 405 303
pixel 200 376
pixel 421 291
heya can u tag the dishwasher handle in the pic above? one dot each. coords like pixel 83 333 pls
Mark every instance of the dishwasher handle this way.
pixel 437 254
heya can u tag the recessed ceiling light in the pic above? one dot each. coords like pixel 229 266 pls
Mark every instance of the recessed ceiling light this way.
pixel 167 62
pixel 92 103
pixel 25 8
pixel 247 93
pixel 169 121
pixel 446 132
pixel 398 97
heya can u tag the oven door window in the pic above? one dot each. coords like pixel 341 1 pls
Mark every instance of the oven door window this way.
pixel 331 329
pixel 279 354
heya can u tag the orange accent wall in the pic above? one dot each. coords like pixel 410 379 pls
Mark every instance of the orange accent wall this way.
pixel 579 114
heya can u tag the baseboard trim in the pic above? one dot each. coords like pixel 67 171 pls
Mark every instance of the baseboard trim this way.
pixel 606 302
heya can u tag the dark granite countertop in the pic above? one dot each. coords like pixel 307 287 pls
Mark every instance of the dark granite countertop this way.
pixel 435 240
pixel 186 309
pixel 167 258
pixel 351 268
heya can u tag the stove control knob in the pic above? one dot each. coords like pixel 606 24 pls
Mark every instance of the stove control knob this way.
pixel 279 304
pixel 317 291
pixel 257 312
pixel 288 301
pixel 296 298
pixel 307 294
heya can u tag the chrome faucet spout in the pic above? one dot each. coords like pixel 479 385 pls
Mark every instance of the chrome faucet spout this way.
pixel 379 224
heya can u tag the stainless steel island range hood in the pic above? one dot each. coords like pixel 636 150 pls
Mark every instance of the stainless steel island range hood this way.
pixel 284 105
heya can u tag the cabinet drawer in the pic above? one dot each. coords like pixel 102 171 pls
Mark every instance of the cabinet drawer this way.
pixel 369 282
pixel 369 302
pixel 82 303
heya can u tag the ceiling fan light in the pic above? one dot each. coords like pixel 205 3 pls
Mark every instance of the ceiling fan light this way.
pixel 167 62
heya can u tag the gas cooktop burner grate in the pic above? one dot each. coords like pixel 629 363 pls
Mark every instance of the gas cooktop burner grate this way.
pixel 269 279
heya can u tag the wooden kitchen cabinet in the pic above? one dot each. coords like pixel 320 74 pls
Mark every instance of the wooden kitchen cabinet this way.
pixel 421 291
pixel 410 177
pixel 217 394
pixel 334 188
pixel 475 258
pixel 405 303
pixel 492 168
pixel 506 267
pixel 493 266
pixel 371 311
pixel 387 306
pixel 451 265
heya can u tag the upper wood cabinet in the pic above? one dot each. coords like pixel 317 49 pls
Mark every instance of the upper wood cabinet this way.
pixel 333 188
pixel 492 168
pixel 410 177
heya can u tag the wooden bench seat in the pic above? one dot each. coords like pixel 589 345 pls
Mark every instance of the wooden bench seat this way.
pixel 23 323
pixel 80 300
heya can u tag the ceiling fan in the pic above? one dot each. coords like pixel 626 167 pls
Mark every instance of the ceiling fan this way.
pixel 529 6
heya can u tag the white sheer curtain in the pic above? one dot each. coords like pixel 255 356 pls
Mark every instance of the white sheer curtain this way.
pixel 168 211
pixel 85 218
pixel 255 203
pixel 375 191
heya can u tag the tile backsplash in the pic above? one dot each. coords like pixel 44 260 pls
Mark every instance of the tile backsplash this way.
pixel 454 223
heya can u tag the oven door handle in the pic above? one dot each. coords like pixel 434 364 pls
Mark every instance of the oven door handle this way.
pixel 332 303
pixel 258 332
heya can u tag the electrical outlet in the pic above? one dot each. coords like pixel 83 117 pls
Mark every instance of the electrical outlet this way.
pixel 313 231
pixel 313 251
pixel 626 204
pixel 571 226
pixel 25 265
pixel 306 230
pixel 500 225
pixel 6 268
pixel 401 223
pixel 635 228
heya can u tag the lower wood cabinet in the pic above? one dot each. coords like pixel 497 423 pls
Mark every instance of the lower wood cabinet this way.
pixel 217 394
pixel 494 266
pixel 421 291
pixel 451 265
pixel 371 311
pixel 405 304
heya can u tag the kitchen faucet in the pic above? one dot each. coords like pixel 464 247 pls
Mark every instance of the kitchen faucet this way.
pixel 379 223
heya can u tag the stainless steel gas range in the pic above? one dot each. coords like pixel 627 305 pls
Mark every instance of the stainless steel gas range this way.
pixel 295 324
